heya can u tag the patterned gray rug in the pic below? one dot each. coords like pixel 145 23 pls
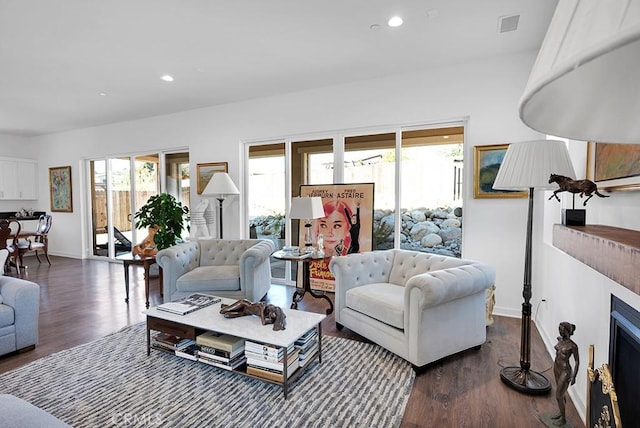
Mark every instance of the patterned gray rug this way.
pixel 112 382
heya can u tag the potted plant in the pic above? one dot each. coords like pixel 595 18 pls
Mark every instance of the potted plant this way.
pixel 165 212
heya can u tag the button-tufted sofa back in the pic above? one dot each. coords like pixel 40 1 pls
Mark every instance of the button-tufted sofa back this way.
pixel 219 252
pixel 410 263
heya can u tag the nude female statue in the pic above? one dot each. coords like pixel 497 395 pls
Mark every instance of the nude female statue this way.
pixel 564 375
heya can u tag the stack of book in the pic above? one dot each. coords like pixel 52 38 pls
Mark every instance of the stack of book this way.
pixel 307 345
pixel 190 352
pixel 267 361
pixel 221 350
pixel 170 342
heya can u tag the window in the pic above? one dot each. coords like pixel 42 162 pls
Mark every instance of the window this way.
pixel 431 200
pixel 417 175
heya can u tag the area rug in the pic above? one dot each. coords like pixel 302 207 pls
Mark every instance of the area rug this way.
pixel 112 382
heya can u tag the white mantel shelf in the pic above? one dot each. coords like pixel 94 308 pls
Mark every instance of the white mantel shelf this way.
pixel 612 251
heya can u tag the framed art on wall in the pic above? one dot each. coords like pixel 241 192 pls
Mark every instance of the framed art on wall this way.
pixel 614 166
pixel 60 190
pixel 487 161
pixel 205 171
pixel 346 228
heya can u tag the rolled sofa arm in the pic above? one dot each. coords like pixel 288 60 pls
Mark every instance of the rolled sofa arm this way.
pixel 24 297
pixel 176 261
pixel 255 270
pixel 441 286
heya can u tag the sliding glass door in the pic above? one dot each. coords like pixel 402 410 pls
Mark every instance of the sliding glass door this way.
pixel 120 186
pixel 417 173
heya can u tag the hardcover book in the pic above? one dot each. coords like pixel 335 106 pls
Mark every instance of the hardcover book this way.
pixel 189 304
pixel 224 342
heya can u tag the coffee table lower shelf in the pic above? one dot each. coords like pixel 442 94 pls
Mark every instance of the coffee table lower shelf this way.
pixel 190 332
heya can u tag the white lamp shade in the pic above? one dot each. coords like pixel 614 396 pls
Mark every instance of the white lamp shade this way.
pixel 306 208
pixel 220 184
pixel 529 164
pixel 585 84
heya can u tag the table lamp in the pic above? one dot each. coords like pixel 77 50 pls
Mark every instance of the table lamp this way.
pixel 307 208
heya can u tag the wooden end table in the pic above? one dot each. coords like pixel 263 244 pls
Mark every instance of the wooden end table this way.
pixel 138 260
pixel 306 283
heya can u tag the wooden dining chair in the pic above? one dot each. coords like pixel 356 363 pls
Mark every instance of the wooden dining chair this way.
pixel 39 241
pixel 10 242
pixel 5 232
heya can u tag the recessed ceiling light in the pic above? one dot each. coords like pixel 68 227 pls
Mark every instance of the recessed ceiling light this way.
pixel 374 27
pixel 167 78
pixel 394 21
pixel 102 94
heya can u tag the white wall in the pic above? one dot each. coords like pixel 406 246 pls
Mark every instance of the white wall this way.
pixel 575 292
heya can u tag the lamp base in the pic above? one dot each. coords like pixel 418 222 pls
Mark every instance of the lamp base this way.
pixel 527 381
pixel 574 217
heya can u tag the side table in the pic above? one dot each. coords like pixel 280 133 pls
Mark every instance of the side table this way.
pixel 305 259
pixel 137 260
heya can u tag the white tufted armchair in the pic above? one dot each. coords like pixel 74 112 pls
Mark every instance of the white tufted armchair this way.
pixel 229 268
pixel 420 306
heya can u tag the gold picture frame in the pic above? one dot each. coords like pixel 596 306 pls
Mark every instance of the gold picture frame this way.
pixel 614 166
pixel 205 171
pixel 487 161
pixel 60 189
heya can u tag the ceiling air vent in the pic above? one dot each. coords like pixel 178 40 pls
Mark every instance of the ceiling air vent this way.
pixel 508 23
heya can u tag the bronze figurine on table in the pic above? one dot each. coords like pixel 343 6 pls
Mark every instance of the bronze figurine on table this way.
pixel 268 313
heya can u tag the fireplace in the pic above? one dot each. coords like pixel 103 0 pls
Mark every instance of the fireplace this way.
pixel 624 359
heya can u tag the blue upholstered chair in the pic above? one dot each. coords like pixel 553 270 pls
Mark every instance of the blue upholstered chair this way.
pixel 19 310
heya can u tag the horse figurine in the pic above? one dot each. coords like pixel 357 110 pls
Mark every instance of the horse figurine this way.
pixel 584 187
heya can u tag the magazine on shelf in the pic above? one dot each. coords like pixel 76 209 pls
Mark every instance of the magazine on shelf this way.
pixel 189 304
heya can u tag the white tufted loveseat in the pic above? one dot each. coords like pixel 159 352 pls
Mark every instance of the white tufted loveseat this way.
pixel 235 269
pixel 420 306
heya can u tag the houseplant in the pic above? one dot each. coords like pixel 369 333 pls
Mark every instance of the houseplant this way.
pixel 168 214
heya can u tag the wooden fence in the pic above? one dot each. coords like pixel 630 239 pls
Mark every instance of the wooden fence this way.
pixel 122 207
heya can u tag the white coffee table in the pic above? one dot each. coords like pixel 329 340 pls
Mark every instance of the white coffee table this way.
pixel 247 327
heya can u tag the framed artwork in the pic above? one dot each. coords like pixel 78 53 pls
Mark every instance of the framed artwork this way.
pixel 347 227
pixel 614 166
pixel 487 161
pixel 60 190
pixel 205 171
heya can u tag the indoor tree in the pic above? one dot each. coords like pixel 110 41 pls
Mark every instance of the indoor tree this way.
pixel 168 214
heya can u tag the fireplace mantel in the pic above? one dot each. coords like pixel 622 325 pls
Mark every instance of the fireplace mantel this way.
pixel 612 251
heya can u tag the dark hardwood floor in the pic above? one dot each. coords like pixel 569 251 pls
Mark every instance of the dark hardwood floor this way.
pixel 82 300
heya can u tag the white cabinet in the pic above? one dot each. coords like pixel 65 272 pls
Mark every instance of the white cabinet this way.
pixel 8 179
pixel 27 180
pixel 18 179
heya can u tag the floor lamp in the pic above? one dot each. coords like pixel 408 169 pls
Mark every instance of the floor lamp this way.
pixel 220 185
pixel 527 166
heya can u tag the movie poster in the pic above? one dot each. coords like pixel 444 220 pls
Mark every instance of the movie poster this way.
pixel 346 228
